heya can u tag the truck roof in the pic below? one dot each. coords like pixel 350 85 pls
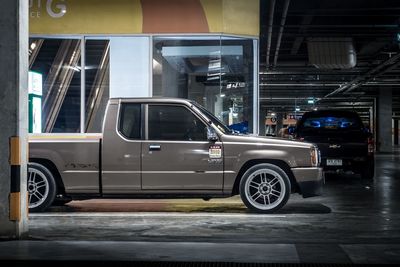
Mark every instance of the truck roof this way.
pixel 151 100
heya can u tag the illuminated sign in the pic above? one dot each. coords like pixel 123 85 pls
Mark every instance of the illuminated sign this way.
pixel 36 115
pixel 35 88
pixel 35 83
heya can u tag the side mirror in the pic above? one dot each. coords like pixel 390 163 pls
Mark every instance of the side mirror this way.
pixel 211 134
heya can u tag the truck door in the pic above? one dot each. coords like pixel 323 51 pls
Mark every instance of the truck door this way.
pixel 121 149
pixel 176 154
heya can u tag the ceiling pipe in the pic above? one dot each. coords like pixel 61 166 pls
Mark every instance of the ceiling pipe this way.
pixel 281 28
pixel 349 86
pixel 299 84
pixel 269 30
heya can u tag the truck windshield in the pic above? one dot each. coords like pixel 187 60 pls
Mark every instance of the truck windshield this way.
pixel 220 125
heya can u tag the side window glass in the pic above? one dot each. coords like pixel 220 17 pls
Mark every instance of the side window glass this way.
pixel 129 122
pixel 175 123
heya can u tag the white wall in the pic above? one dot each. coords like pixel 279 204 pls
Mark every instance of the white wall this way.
pixel 130 74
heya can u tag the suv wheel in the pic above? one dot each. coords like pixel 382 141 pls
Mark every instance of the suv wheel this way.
pixel 41 187
pixel 264 188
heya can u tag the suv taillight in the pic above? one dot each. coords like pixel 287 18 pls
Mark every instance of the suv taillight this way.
pixel 371 146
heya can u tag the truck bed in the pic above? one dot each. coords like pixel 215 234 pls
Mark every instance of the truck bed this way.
pixel 76 157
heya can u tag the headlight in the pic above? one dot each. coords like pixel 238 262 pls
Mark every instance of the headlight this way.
pixel 315 156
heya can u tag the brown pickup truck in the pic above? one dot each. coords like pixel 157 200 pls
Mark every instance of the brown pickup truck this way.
pixel 169 148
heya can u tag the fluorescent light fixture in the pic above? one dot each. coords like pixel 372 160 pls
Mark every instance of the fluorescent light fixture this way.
pixel 297 109
pixel 310 101
pixel 222 95
pixel 273 114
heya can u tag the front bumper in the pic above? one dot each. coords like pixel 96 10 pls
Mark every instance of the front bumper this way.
pixel 310 180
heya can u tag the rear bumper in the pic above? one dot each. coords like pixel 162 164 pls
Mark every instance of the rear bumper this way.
pixel 309 180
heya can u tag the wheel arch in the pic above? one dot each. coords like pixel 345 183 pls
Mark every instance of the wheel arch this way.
pixel 54 171
pixel 280 163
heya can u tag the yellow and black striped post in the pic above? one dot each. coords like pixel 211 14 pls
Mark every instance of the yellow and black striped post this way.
pixel 15 192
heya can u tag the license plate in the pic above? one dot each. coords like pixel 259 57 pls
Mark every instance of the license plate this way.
pixel 334 162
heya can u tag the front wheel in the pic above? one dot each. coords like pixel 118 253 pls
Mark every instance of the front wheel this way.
pixel 41 187
pixel 265 188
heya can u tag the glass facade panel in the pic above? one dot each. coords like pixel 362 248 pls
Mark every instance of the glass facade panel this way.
pixel 217 72
pixel 97 83
pixel 58 61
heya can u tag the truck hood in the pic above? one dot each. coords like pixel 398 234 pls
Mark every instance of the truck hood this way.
pixel 255 139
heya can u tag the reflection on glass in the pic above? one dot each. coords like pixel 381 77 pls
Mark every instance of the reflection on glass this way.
pixel 216 72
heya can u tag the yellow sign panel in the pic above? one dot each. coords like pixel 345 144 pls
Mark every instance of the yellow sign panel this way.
pixel 144 16
pixel 85 16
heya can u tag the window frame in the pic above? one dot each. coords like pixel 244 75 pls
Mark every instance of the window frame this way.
pixel 173 105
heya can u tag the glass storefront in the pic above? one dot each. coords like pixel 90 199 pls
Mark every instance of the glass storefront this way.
pixel 218 72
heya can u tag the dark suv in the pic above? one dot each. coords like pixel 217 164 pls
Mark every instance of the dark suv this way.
pixel 344 142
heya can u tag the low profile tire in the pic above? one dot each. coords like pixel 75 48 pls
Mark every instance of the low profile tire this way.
pixel 264 188
pixel 41 187
pixel 368 172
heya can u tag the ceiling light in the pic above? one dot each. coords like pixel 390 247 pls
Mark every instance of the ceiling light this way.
pixel 33 46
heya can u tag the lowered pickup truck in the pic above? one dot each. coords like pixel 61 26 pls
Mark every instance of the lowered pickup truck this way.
pixel 169 148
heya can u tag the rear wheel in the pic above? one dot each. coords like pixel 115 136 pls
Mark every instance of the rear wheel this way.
pixel 265 188
pixel 41 187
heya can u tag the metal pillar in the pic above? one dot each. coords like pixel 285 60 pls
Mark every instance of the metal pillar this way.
pixel 279 122
pixel 13 118
pixel 263 114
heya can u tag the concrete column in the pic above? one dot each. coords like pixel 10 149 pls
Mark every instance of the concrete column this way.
pixel 13 116
pixel 384 120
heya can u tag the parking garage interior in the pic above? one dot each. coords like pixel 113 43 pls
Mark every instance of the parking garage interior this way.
pixel 277 60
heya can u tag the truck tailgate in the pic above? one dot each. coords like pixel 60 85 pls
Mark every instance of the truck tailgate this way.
pixel 76 157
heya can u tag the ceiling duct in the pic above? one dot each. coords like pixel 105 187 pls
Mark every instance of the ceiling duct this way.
pixel 331 53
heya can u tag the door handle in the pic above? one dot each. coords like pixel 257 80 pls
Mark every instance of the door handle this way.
pixel 154 148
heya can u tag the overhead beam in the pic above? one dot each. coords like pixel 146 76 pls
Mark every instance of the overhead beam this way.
pixel 280 33
pixel 269 30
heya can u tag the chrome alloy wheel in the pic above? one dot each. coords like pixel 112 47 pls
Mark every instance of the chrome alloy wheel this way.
pixel 38 187
pixel 265 189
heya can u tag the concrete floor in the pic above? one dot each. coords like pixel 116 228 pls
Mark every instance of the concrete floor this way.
pixel 354 222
